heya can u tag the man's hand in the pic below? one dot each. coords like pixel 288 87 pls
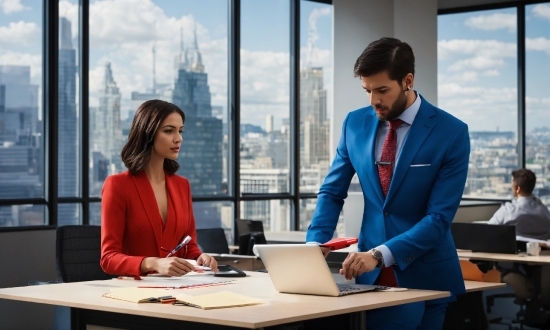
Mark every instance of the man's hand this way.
pixel 357 263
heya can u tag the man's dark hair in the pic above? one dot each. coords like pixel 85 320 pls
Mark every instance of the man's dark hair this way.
pixel 386 54
pixel 525 179
pixel 137 151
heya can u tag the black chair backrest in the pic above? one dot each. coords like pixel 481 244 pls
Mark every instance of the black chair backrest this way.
pixel 248 226
pixel 247 242
pixel 481 237
pixel 212 240
pixel 77 253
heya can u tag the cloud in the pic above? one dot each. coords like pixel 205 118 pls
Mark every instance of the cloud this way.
pixel 481 108
pixel 542 10
pixel 465 56
pixel 540 44
pixel 25 33
pixel 493 22
pixel 12 6
pixel 483 48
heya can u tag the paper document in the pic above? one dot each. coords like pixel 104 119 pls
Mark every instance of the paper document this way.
pixel 137 295
pixel 221 299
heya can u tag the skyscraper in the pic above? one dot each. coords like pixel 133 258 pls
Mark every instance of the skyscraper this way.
pixel 314 128
pixel 68 133
pixel 201 152
pixel 107 132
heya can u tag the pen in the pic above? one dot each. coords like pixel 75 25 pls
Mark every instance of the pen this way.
pixel 182 244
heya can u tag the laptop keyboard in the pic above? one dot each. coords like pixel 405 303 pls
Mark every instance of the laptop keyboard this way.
pixel 348 288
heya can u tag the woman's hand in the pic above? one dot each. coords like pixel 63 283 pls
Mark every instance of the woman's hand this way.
pixel 208 261
pixel 167 266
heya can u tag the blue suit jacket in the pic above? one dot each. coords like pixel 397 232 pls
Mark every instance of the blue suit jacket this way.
pixel 414 220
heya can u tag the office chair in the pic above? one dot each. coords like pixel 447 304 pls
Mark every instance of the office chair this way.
pixel 212 240
pixel 249 232
pixel 77 254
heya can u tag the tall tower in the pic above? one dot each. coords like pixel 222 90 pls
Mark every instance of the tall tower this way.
pixel 201 156
pixel 107 131
pixel 69 165
pixel 314 128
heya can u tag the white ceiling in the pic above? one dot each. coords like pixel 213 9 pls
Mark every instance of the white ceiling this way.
pixel 448 4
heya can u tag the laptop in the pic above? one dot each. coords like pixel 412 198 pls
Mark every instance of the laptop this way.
pixel 481 237
pixel 301 268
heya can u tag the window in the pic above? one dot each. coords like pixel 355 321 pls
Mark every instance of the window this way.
pixel 265 108
pixel 178 53
pixel 315 82
pixel 477 83
pixel 122 54
pixel 21 114
pixel 537 64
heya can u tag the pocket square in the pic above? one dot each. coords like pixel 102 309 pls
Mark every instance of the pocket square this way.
pixel 420 165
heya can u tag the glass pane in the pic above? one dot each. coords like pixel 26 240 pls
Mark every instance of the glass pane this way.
pixel 315 83
pixel 69 118
pixel 264 140
pixel 537 58
pixel 69 214
pixel 477 82
pixel 215 215
pixel 21 124
pixel 22 215
pixel 95 214
pixel 177 53
pixel 274 214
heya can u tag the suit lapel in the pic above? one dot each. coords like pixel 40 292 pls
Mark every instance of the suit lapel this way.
pixel 370 147
pixel 419 131
pixel 149 202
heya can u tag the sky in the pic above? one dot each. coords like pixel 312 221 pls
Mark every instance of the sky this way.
pixel 477 59
pixel 124 32
pixel 477 67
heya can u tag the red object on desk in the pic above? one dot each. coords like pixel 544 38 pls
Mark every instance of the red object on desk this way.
pixel 340 243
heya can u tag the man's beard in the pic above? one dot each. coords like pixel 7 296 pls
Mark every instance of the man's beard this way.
pixel 397 108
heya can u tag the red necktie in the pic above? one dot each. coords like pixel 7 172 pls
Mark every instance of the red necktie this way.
pixel 385 172
pixel 387 159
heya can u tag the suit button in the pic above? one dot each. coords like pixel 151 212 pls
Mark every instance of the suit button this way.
pixel 387 213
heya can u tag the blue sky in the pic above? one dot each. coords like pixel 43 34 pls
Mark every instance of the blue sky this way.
pixel 477 66
pixel 124 32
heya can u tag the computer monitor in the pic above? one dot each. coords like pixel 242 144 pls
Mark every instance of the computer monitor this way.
pixel 248 226
pixel 481 237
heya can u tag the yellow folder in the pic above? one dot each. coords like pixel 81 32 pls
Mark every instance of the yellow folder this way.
pixel 220 299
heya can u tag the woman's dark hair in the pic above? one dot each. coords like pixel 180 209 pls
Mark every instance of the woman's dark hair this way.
pixel 525 179
pixel 136 153
pixel 386 54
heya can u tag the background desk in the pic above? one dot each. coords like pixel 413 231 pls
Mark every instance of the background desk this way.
pixel 89 307
pixel 502 257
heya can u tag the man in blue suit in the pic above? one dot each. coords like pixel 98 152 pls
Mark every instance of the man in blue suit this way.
pixel 405 233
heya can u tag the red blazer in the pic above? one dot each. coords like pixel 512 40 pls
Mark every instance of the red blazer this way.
pixel 131 225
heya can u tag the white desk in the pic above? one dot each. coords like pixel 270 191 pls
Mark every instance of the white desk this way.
pixel 88 305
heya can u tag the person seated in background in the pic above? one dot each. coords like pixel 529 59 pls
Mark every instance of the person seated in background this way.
pixel 532 220
pixel 527 208
pixel 147 210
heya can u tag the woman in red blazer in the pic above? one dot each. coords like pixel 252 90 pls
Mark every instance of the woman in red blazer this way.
pixel 147 210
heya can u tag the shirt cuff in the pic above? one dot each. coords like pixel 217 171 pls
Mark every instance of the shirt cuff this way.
pixel 389 260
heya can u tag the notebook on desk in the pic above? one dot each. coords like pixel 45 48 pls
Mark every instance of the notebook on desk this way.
pixel 479 237
pixel 301 268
